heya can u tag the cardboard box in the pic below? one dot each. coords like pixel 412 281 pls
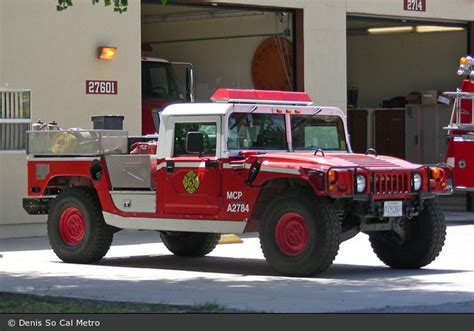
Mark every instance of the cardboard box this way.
pixel 414 98
pixel 429 97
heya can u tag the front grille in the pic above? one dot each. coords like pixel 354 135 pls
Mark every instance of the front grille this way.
pixel 390 183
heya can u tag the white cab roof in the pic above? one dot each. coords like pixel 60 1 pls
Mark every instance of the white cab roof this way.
pixel 198 109
pixel 217 108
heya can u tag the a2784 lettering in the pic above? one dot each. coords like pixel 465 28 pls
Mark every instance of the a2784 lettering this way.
pixel 236 205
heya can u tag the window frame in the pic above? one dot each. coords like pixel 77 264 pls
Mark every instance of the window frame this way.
pixel 28 121
pixel 166 146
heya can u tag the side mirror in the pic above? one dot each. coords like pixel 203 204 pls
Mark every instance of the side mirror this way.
pixel 156 118
pixel 194 142
pixel 190 84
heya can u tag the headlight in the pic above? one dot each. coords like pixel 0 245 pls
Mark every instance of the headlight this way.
pixel 360 183
pixel 416 182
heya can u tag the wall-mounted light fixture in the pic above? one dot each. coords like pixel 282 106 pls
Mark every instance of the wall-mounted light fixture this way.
pixel 107 53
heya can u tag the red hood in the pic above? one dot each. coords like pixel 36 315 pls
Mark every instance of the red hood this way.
pixel 308 160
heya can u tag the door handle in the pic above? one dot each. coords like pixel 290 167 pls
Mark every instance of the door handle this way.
pixel 211 164
pixel 169 166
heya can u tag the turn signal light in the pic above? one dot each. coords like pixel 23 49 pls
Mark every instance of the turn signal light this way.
pixel 436 173
pixel 107 53
pixel 332 176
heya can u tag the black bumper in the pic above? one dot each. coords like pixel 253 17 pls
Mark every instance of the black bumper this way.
pixel 36 206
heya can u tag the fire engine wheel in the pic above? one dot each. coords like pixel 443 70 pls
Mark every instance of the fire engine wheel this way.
pixel 191 244
pixel 76 228
pixel 299 235
pixel 425 239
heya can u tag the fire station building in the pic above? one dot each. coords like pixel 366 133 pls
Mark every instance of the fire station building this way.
pixel 384 63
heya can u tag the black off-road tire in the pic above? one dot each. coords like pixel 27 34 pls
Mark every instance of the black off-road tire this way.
pixel 190 244
pixel 427 233
pixel 323 235
pixel 97 236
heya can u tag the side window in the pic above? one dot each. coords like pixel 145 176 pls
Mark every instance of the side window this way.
pixel 209 131
pixel 256 131
pixel 159 81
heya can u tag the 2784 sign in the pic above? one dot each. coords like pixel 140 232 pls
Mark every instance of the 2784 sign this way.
pixel 414 5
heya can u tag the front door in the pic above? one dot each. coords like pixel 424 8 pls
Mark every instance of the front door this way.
pixel 193 182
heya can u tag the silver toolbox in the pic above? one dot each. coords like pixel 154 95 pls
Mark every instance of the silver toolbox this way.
pixel 129 171
pixel 77 142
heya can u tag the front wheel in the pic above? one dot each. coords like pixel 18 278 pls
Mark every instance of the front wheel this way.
pixel 190 244
pixel 76 228
pixel 425 238
pixel 299 235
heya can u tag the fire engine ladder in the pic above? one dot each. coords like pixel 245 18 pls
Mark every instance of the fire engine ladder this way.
pixel 456 123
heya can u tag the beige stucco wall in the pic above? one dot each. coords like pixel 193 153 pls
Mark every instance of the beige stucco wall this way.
pixel 53 54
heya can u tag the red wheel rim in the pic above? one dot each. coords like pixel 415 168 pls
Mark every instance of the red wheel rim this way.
pixel 291 234
pixel 72 226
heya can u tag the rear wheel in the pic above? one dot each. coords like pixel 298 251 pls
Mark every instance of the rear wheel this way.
pixel 190 244
pixel 76 228
pixel 425 236
pixel 299 236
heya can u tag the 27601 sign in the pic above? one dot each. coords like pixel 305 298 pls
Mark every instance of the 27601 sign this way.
pixel 414 5
pixel 101 87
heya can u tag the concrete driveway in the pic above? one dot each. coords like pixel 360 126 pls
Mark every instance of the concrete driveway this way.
pixel 138 268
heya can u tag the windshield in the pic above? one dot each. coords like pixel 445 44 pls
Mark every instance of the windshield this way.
pixel 159 81
pixel 257 131
pixel 314 132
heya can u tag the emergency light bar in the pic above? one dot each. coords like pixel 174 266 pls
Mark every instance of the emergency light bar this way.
pixel 261 96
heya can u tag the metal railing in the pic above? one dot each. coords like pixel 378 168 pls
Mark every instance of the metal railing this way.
pixel 15 118
pixel 457 112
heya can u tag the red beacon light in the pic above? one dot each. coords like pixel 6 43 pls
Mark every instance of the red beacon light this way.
pixel 262 96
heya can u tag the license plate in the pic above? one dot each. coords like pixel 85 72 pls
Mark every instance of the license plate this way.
pixel 392 209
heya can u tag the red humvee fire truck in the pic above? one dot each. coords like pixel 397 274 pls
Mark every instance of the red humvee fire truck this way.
pixel 251 161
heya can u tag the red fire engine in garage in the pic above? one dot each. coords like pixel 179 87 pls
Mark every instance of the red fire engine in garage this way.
pixel 251 161
pixel 161 87
pixel 460 153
